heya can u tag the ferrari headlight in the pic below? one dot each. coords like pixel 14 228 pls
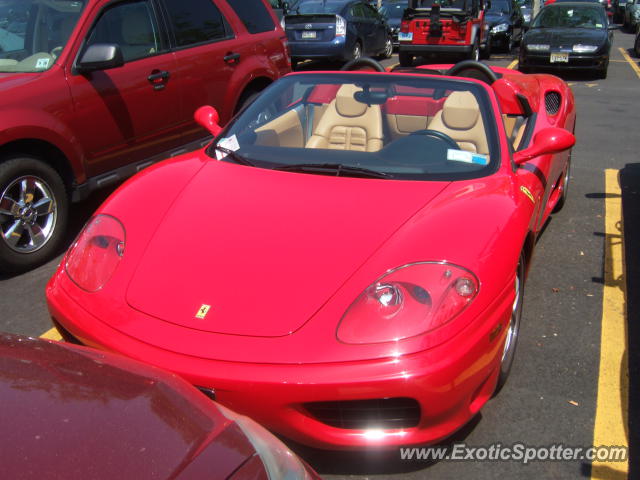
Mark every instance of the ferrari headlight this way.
pixel 96 253
pixel 538 47
pixel 585 48
pixel 408 301
pixel 501 27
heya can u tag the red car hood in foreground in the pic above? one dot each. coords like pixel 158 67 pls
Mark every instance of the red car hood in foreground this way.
pixel 265 249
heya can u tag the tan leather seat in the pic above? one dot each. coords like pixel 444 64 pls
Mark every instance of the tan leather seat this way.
pixel 460 119
pixel 348 124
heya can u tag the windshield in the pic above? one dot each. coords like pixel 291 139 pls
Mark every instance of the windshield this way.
pixel 366 125
pixel 319 7
pixel 33 33
pixel 525 3
pixel 393 10
pixel 499 6
pixel 570 16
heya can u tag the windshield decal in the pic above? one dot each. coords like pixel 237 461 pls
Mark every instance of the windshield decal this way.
pixel 467 157
pixel 230 143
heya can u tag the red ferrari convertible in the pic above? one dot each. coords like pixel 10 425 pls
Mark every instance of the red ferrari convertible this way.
pixel 345 262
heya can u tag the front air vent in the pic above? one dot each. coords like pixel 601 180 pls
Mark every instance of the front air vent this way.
pixel 385 413
pixel 552 102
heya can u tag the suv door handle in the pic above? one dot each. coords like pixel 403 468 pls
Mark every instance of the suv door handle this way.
pixel 158 79
pixel 232 58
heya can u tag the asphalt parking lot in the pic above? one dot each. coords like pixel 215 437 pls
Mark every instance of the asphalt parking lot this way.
pixel 569 381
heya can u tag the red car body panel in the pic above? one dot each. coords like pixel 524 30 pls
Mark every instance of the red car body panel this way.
pixel 61 110
pixel 282 348
pixel 120 418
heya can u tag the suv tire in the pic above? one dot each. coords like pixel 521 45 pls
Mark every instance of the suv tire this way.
pixel 34 209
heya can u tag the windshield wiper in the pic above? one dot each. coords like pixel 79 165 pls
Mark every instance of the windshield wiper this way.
pixel 235 156
pixel 338 168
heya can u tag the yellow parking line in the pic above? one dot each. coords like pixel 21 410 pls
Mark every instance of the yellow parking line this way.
pixel 513 64
pixel 610 426
pixel 51 334
pixel 630 61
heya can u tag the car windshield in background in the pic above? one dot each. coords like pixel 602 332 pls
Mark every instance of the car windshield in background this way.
pixel 570 16
pixel 461 4
pixel 393 10
pixel 367 126
pixel 306 8
pixel 33 33
pixel 525 3
pixel 499 6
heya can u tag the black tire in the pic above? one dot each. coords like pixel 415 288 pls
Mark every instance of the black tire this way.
pixel 513 330
pixel 31 228
pixel 636 45
pixel 566 180
pixel 485 52
pixel 388 49
pixel 475 51
pixel 406 59
pixel 601 73
pixel 246 99
pixel 511 44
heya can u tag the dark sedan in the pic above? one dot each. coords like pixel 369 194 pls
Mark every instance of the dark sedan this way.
pixel 74 412
pixel 336 30
pixel 568 36
pixel 505 22
pixel 392 11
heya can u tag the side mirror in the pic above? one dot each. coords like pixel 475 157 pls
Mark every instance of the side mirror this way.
pixel 208 117
pixel 100 56
pixel 546 141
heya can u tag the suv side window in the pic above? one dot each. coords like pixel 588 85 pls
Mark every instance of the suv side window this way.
pixel 253 14
pixel 132 26
pixel 195 21
pixel 369 11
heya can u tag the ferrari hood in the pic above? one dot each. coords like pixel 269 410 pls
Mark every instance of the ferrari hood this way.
pixel 255 252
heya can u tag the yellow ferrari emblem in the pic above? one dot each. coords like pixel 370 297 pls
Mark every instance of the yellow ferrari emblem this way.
pixel 203 310
pixel 526 191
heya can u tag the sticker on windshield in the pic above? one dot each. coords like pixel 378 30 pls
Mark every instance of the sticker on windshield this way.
pixel 467 157
pixel 42 63
pixel 230 143
pixel 598 25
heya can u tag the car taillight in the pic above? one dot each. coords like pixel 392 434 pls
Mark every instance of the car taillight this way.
pixel 404 26
pixel 341 26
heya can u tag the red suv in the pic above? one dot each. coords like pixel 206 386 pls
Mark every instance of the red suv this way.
pixel 93 91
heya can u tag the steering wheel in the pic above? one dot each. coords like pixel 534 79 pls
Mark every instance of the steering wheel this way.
pixel 439 135
pixel 473 65
pixel 356 63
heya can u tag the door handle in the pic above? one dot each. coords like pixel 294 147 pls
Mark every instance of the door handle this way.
pixel 232 58
pixel 158 79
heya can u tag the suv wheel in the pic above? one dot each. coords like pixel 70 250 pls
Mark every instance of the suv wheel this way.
pixel 357 51
pixel 388 48
pixel 33 213
pixel 475 51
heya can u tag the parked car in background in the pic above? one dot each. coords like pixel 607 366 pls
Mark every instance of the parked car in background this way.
pixel 451 27
pixel 618 7
pixel 631 17
pixel 336 30
pixel 91 91
pixel 505 21
pixel 526 8
pixel 281 7
pixel 392 12
pixel 111 417
pixel 568 36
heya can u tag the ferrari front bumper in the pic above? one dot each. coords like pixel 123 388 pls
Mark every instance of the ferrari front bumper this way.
pixel 439 389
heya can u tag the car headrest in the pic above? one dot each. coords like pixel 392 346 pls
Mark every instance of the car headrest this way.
pixel 460 110
pixel 346 103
